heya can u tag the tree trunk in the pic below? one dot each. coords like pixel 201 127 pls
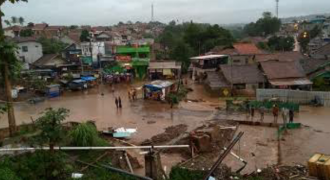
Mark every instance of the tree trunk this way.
pixel 10 108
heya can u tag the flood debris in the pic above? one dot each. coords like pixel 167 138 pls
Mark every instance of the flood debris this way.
pixel 169 134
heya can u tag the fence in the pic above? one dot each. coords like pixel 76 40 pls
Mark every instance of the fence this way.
pixel 293 96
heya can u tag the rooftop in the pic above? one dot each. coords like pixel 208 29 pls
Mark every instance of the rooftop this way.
pixel 239 74
pixel 207 57
pixel 164 65
pixel 282 69
pixel 281 56
pixel 247 49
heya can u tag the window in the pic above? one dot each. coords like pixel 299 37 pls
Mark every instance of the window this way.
pixel 25 49
pixel 23 59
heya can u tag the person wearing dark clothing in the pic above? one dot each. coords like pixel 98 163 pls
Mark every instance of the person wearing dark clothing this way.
pixel 252 113
pixel 116 101
pixel 119 102
pixel 291 115
pixel 275 113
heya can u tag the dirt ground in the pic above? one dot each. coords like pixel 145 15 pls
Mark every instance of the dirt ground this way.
pixel 258 145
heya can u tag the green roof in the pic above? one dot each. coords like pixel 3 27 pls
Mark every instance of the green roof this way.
pixel 127 50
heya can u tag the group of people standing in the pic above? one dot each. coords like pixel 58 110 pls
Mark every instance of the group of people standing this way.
pixel 118 103
pixel 286 113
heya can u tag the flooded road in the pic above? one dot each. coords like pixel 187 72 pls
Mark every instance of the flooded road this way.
pixel 149 117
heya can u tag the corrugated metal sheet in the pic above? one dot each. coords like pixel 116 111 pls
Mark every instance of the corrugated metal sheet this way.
pixel 290 82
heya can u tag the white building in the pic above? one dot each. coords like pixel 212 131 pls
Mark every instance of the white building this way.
pixel 98 48
pixel 29 50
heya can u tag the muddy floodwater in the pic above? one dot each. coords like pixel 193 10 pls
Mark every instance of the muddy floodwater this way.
pixel 258 146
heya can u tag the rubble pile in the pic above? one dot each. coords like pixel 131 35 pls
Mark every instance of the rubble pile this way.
pixel 169 134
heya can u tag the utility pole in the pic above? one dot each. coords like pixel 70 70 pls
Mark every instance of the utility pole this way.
pixel 277 7
pixel 152 12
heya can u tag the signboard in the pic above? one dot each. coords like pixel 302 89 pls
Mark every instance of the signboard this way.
pixel 124 58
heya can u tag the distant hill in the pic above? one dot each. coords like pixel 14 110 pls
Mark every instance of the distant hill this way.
pixel 301 18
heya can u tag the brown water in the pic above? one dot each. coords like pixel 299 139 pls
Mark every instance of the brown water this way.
pixel 90 105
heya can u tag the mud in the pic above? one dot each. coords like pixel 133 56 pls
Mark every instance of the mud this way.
pixel 169 134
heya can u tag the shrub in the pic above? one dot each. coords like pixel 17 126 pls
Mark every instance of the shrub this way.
pixel 86 134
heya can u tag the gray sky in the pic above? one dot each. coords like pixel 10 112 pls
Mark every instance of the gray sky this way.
pixel 108 12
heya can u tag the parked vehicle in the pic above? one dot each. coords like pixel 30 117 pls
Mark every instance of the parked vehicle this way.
pixel 77 85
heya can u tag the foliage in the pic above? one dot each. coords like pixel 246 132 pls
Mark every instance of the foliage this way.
pixel 320 84
pixel 84 37
pixel 182 53
pixel 85 134
pixel 278 43
pixel 30 24
pixel 263 45
pixel 26 33
pixel 265 26
pixel 73 27
pixel 178 173
pixel 7 55
pixel 8 174
pixel 50 126
pixel 40 165
pixel 51 46
pixel 104 174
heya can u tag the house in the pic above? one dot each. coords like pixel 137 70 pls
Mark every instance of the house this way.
pixel 317 68
pixel 72 54
pixel 93 51
pixel 285 74
pixel 244 79
pixel 13 31
pixel 242 53
pixel 323 52
pixel 54 31
pixel 38 29
pixel 71 38
pixel 48 61
pixel 29 50
pixel 208 63
pixel 103 36
pixel 164 70
pixel 235 79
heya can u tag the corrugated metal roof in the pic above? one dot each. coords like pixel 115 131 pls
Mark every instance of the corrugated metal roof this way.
pixel 238 74
pixel 164 65
pixel 291 82
pixel 208 57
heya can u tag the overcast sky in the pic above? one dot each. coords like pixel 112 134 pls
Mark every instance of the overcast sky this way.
pixel 108 12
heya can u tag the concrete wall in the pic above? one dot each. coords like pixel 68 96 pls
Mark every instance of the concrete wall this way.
pixel 34 52
pixel 299 97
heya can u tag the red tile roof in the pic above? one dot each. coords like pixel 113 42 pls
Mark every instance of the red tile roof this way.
pixel 39 27
pixel 247 49
pixel 14 28
pixel 54 28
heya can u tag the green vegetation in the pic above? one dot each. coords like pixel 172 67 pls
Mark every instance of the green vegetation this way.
pixel 51 46
pixel 277 43
pixel 84 37
pixel 86 134
pixel 320 84
pixel 178 173
pixel 26 33
pixel 182 41
pixel 265 26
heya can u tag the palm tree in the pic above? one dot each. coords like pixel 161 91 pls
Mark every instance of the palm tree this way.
pixel 14 20
pixel 7 22
pixel 21 21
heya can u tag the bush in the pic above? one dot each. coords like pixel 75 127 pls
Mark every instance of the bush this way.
pixel 178 173
pixel 86 134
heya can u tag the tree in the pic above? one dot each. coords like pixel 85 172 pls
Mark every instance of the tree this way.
pixel 265 26
pixel 51 130
pixel 51 46
pixel 84 37
pixel 21 21
pixel 73 27
pixel 26 33
pixel 7 22
pixel 30 24
pixel 14 20
pixel 281 43
pixel 6 56
pixel 182 53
